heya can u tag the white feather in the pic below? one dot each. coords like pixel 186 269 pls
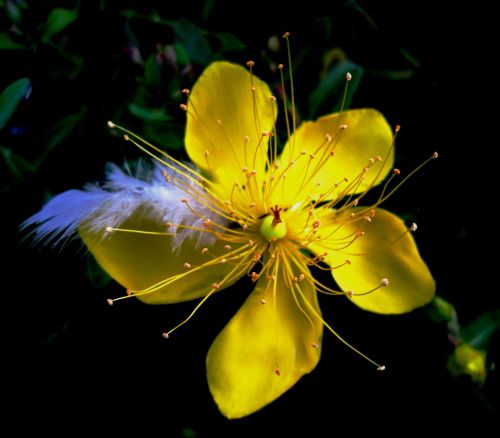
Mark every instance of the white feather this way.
pixel 118 198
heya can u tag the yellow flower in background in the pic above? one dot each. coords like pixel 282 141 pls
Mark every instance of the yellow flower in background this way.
pixel 178 232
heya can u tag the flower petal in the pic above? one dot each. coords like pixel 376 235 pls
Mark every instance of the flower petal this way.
pixel 315 171
pixel 138 261
pixel 222 111
pixel 389 252
pixel 265 348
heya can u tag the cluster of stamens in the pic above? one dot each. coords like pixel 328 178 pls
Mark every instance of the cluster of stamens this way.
pixel 259 232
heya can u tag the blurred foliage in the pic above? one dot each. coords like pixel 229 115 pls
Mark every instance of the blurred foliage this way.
pixel 470 342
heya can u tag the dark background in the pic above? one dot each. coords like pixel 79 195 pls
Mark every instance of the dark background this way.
pixel 75 364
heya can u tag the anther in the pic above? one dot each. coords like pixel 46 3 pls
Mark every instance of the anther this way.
pixel 435 155
pixel 347 262
pixel 413 227
pixel 126 137
pixel 328 137
pixel 187 265
pixel 165 335
pixel 343 127
pixel 381 368
pixel 223 261
pixel 384 282
pixel 185 91
pixel 397 128
pixel 207 154
pixel 280 66
pixel 273 99
pixel 184 200
pixel 250 63
pixel 110 301
pixel 286 34
pixel 314 345
pixel 254 276
pixel 227 247
pixel 207 223
pixel 111 124
pixel 204 250
pixel 396 172
pixel 348 76
pixel 216 285
pixel 263 301
pixel 350 293
pixel 109 229
pixel 183 107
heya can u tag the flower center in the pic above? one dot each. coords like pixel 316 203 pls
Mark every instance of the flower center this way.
pixel 272 227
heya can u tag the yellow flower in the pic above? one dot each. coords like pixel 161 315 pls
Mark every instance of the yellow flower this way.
pixel 246 211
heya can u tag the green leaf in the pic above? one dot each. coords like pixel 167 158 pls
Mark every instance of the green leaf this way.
pixel 479 332
pixel 96 275
pixel 207 9
pixel 229 43
pixel 194 40
pixel 6 43
pixel 152 71
pixel 17 166
pixel 166 135
pixel 58 20
pixel 328 95
pixel 56 135
pixel 182 54
pixel 149 114
pixel 10 98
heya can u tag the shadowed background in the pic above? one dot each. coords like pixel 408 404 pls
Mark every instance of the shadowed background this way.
pixel 79 364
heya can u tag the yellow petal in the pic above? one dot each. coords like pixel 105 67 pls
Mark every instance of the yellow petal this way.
pixel 265 348
pixel 410 283
pixel 139 261
pixel 222 111
pixel 366 136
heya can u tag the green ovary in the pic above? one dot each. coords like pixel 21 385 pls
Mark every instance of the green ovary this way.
pixel 272 231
